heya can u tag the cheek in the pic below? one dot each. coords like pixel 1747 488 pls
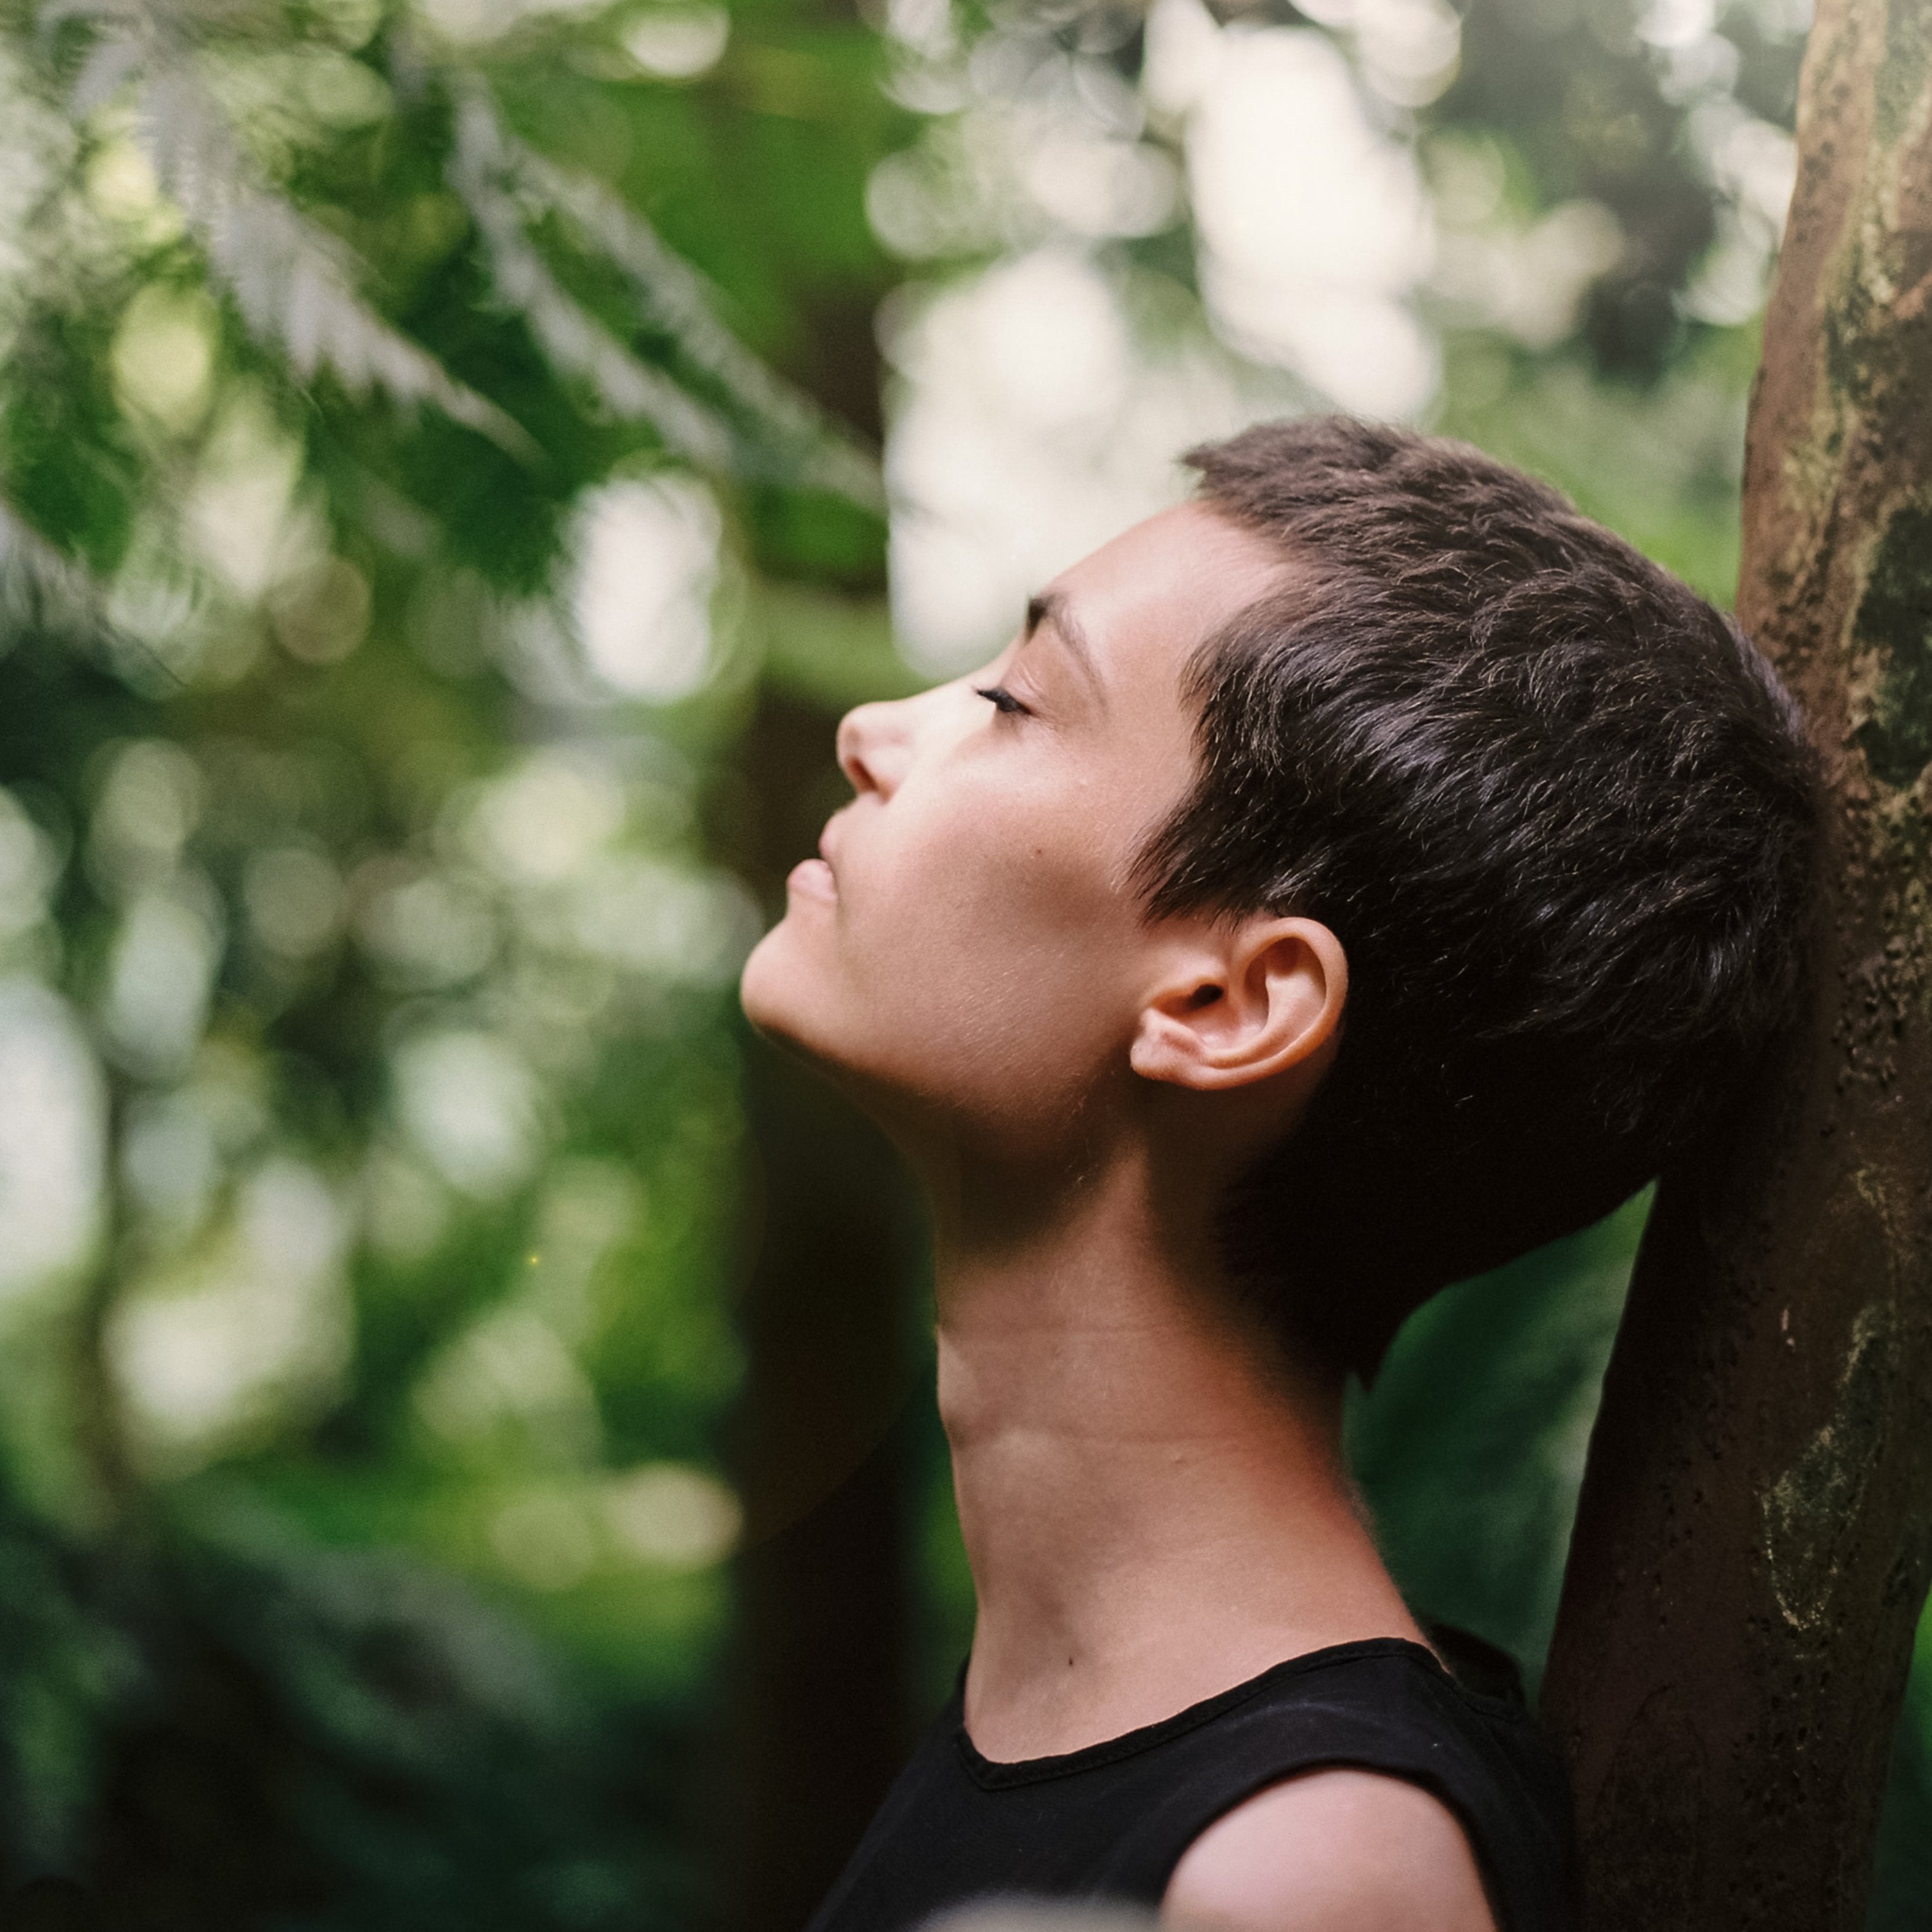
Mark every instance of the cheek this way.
pixel 976 971
pixel 988 970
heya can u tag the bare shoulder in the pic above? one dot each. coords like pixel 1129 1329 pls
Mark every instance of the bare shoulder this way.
pixel 1333 1851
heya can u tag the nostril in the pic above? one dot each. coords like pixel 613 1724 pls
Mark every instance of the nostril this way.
pixel 861 734
pixel 851 759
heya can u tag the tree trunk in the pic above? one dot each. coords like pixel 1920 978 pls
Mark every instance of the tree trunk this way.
pixel 821 1667
pixel 823 1580
pixel 1751 1549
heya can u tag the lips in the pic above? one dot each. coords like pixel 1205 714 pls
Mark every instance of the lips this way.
pixel 814 878
pixel 811 879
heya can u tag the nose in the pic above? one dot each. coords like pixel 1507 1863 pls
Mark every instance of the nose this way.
pixel 874 746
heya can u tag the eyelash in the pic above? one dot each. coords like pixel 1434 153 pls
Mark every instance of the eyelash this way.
pixel 1002 700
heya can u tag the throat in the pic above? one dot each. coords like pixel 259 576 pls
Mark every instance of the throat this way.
pixel 1153 1502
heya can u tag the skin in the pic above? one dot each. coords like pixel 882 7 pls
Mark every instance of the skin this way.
pixel 1152 1496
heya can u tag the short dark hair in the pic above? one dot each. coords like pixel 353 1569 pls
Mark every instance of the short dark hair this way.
pixel 1560 814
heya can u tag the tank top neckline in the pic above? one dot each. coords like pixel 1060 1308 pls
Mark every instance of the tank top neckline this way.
pixel 993 1775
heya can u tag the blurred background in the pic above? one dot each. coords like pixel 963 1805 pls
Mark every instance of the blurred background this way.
pixel 467 1457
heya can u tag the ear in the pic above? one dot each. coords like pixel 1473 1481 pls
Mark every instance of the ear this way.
pixel 1241 1002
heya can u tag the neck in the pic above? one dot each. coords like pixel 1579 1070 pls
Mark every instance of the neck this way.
pixel 1154 1505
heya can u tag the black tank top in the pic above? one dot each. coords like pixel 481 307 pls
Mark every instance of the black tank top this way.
pixel 1111 1821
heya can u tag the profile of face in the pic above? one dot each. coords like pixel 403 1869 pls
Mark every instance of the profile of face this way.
pixel 971 956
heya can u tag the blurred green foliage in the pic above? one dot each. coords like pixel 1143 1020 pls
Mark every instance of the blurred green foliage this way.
pixel 364 921
pixel 436 443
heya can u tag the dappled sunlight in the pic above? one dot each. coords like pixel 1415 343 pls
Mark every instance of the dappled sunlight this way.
pixel 423 929
pixel 511 1377
pixel 471 1105
pixel 678 43
pixel 664 1517
pixel 217 1349
pixel 162 974
pixel 647 565
pixel 543 820
pixel 1314 275
pixel 1042 402
pixel 668 1514
pixel 1033 426
pixel 50 1140
pixel 294 897
pixel 30 867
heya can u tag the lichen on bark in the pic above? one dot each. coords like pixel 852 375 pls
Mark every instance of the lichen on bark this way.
pixel 1753 1538
pixel 1894 622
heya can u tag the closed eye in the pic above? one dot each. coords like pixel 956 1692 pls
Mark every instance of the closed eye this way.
pixel 1002 700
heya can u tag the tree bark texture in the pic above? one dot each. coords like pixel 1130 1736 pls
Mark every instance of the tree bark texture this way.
pixel 1751 1550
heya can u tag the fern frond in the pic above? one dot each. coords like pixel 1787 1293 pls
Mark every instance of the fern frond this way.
pixel 40 589
pixel 578 344
pixel 293 282
pixel 113 60
pixel 502 179
pixel 672 295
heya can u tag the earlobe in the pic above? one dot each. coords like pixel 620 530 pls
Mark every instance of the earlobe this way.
pixel 1242 1004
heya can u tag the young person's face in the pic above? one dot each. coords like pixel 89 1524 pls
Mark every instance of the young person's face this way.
pixel 971 948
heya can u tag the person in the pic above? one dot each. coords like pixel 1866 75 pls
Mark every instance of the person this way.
pixel 1350 879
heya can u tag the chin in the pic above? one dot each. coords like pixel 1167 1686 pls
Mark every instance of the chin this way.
pixel 784 998
pixel 789 1002
pixel 767 987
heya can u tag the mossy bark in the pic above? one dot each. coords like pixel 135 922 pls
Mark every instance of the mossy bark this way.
pixel 1752 1546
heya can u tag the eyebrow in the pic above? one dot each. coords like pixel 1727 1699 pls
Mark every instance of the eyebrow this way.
pixel 1054 607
